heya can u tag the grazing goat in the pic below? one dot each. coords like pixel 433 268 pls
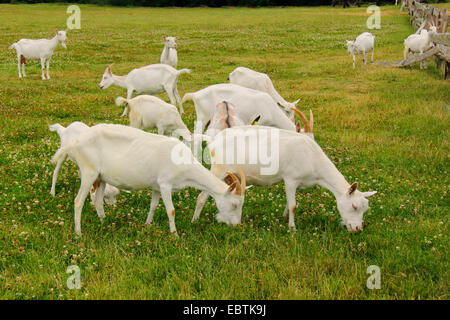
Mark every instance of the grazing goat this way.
pixel 153 79
pixel 132 159
pixel 169 54
pixel 149 112
pixel 259 81
pixel 225 117
pixel 362 45
pixel 248 103
pixel 301 164
pixel 67 135
pixel 418 43
pixel 38 49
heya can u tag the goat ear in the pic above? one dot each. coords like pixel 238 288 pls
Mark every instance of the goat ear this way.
pixel 56 30
pixel 228 180
pixel 368 194
pixel 254 122
pixel 295 102
pixel 298 126
pixel 352 188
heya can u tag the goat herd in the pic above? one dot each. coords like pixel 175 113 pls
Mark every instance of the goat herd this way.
pixel 113 157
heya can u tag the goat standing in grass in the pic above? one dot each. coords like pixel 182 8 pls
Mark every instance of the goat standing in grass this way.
pixel 38 49
pixel 418 43
pixel 297 160
pixel 131 159
pixel 67 135
pixel 152 79
pixel 248 103
pixel 363 43
pixel 169 54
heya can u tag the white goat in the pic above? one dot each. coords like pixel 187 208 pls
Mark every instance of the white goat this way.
pixel 418 43
pixel 67 135
pixel 153 79
pixel 169 54
pixel 297 160
pixel 40 49
pixel 259 81
pixel 149 112
pixel 248 103
pixel 225 117
pixel 132 159
pixel 361 45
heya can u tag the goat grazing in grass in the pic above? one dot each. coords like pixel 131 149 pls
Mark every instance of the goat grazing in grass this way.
pixel 169 54
pixel 295 159
pixel 418 43
pixel 248 103
pixel 259 81
pixel 67 135
pixel 40 49
pixel 152 79
pixel 132 159
pixel 361 45
pixel 149 112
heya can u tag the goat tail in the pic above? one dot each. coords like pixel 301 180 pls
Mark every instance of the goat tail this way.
pixel 13 46
pixel 187 97
pixel 61 153
pixel 56 127
pixel 181 71
pixel 121 101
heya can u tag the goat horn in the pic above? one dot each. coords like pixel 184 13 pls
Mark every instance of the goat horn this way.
pixel 305 121
pixel 236 184
pixel 311 120
pixel 243 182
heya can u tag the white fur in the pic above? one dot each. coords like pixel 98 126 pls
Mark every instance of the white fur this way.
pixel 67 135
pixel 152 79
pixel 418 43
pixel 302 164
pixel 40 49
pixel 149 112
pixel 248 103
pixel 259 81
pixel 361 45
pixel 132 159
pixel 169 54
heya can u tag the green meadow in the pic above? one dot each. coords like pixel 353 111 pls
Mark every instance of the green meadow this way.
pixel 386 128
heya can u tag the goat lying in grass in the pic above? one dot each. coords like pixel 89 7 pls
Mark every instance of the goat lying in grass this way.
pixel 418 43
pixel 259 81
pixel 152 79
pixel 361 45
pixel 169 54
pixel 132 159
pixel 41 49
pixel 297 161
pixel 67 136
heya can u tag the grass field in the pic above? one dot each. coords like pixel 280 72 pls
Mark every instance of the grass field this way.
pixel 386 128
